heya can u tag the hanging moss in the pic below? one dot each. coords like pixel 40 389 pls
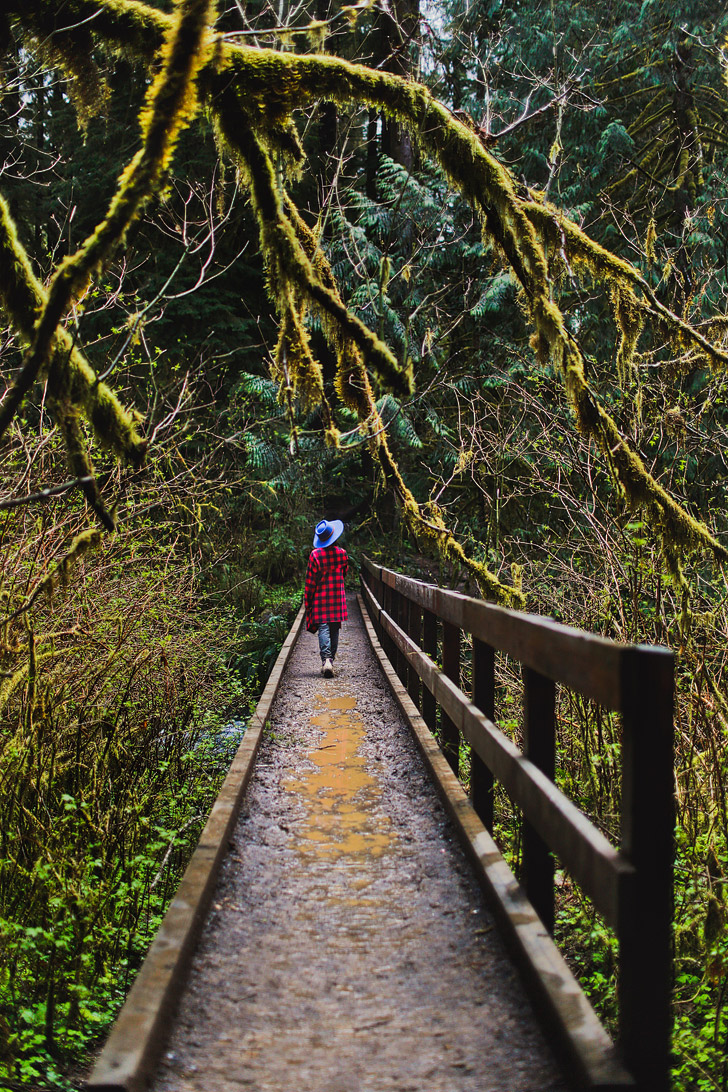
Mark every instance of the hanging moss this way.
pixel 286 260
pixel 136 30
pixel 171 103
pixel 11 684
pixel 79 461
pixel 23 298
pixel 608 269
pixel 71 52
pixel 630 319
pixel 297 372
pixel 650 241
pixel 252 93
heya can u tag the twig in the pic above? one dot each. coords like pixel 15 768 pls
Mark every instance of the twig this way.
pixel 43 494
pixel 170 847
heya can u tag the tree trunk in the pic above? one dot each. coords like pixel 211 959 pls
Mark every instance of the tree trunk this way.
pixel 399 46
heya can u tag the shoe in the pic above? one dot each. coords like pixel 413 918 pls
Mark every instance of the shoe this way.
pixel 328 669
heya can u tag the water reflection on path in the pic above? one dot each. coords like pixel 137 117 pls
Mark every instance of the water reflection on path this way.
pixel 342 823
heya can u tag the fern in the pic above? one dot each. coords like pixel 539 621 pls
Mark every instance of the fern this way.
pixel 285 482
pixel 398 423
pixel 495 297
pixel 263 388
pixel 262 456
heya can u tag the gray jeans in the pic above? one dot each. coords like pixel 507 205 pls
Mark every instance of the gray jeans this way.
pixel 328 635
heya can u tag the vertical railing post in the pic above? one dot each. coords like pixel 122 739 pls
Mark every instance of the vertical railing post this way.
pixel 390 606
pixel 367 579
pixel 646 912
pixel 393 613
pixel 539 738
pixel 429 645
pixel 449 734
pixel 483 692
pixel 379 590
pixel 377 587
pixel 414 629
pixel 403 622
pixel 399 609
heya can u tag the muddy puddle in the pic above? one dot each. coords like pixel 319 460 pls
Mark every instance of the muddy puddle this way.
pixel 343 822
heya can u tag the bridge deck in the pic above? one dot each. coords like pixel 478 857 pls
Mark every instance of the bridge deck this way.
pixel 349 947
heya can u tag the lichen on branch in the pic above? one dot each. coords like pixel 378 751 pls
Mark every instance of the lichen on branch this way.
pixel 252 95
pixel 23 297
pixel 170 105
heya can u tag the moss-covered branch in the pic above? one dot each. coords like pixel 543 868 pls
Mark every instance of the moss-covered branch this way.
pixel 355 390
pixel 23 297
pixel 286 260
pixel 171 102
pixel 560 232
pixel 253 93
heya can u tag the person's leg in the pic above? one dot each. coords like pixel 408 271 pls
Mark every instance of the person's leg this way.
pixel 324 636
pixel 334 628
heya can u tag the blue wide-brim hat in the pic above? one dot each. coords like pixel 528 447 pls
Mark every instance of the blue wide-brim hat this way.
pixel 326 532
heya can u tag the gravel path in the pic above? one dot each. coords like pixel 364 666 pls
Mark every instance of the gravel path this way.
pixel 349 949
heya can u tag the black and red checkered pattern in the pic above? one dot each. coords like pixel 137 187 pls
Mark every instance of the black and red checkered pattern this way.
pixel 325 594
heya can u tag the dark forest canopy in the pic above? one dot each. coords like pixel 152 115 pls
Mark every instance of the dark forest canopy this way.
pixel 253 97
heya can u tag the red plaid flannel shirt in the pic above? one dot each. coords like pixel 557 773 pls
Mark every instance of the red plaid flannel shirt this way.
pixel 325 594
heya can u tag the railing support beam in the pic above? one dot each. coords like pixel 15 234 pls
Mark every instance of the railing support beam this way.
pixel 429 645
pixel 483 692
pixel 539 739
pixel 645 933
pixel 449 734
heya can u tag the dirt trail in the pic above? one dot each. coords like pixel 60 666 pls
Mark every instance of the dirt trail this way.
pixel 349 949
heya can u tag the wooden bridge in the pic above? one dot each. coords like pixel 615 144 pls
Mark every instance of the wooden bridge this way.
pixel 347 944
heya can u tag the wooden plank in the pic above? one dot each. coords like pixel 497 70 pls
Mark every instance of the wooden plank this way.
pixel 539 746
pixel 596 865
pixel 137 1037
pixel 559 1000
pixel 483 694
pixel 645 929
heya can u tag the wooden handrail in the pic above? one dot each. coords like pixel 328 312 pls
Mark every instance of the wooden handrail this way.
pixel 566 656
pixel 630 886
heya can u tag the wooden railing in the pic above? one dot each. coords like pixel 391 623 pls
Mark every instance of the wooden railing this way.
pixel 631 887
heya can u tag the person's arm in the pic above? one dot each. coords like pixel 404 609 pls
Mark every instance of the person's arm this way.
pixel 312 579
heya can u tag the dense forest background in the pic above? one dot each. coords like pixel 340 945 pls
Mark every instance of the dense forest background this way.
pixel 147 584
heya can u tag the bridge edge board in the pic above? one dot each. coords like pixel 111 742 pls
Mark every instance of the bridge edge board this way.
pixel 558 998
pixel 132 1051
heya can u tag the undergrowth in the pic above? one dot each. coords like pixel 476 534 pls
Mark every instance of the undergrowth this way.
pixel 117 688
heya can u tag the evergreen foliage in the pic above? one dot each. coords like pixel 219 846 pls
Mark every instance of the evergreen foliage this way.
pixel 273 85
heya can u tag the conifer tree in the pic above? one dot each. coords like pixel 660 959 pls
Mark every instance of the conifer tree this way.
pixel 252 95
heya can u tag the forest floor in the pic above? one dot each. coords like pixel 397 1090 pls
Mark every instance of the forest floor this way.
pixel 349 949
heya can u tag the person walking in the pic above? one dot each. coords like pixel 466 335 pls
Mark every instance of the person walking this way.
pixel 325 597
